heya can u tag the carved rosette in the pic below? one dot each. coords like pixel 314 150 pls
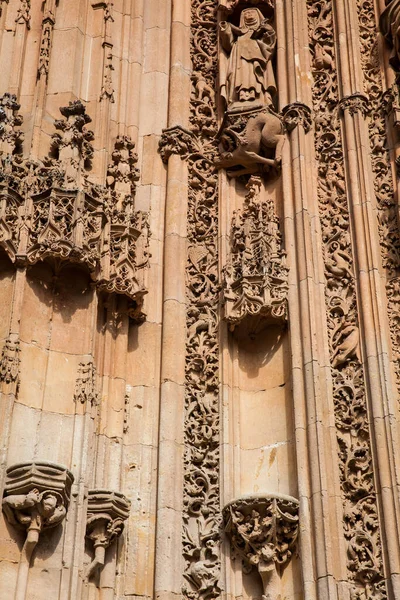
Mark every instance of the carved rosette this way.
pixel 360 511
pixel 263 531
pixel 255 276
pixel 106 513
pixel 50 210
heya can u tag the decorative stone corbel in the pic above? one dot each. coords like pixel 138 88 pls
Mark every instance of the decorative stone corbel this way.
pixel 295 114
pixel 175 140
pixel 355 103
pixel 263 531
pixel 36 497
pixel 107 511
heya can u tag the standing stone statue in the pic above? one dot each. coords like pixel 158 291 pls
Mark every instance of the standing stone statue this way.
pixel 249 76
pixel 390 28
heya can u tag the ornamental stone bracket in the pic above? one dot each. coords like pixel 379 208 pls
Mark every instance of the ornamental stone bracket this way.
pixel 176 140
pixel 36 497
pixel 263 532
pixel 355 103
pixel 296 114
pixel 255 278
pixel 106 513
pixel 49 210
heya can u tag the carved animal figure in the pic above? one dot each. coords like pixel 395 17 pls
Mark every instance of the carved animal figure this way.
pixel 263 131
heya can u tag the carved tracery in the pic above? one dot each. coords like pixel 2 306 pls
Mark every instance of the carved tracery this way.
pixel 255 276
pixel 50 210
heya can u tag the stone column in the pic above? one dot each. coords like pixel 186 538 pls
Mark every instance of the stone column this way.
pixel 169 560
pixel 374 329
pixel 316 447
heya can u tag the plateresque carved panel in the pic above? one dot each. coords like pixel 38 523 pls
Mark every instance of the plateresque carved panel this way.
pixel 201 511
pixel 361 524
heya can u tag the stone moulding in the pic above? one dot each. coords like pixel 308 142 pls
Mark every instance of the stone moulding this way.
pixel 106 513
pixel 263 531
pixel 36 497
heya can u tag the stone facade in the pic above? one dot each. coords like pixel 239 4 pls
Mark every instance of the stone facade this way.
pixel 200 299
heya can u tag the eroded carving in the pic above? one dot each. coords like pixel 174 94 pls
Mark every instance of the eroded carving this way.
pixel 263 533
pixel 106 513
pixel 85 385
pixel 122 173
pixel 10 361
pixel 10 138
pixel 255 276
pixel 72 148
pixel 176 140
pixel 295 114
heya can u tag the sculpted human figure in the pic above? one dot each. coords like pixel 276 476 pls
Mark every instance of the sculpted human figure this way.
pixel 249 75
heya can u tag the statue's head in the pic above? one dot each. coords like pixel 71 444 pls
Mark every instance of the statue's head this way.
pixel 251 18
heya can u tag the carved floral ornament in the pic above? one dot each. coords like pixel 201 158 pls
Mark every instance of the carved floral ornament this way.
pixel 263 531
pixel 50 209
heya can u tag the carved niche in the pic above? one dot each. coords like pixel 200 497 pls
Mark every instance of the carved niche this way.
pixel 251 135
pixel 36 497
pixel 255 275
pixel 50 210
pixel 107 511
pixel 263 531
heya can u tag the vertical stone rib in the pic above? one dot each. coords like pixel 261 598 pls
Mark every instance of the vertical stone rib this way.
pixel 318 476
pixel 368 270
pixel 361 525
pixel 169 560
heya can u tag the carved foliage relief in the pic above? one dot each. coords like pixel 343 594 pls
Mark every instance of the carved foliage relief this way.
pixel 360 517
pixel 201 527
pixel 381 104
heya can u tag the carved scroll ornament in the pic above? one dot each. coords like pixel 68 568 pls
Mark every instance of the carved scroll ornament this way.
pixel 263 531
pixel 50 209
pixel 107 511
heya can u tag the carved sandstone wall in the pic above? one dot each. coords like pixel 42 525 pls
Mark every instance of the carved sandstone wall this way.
pixel 199 285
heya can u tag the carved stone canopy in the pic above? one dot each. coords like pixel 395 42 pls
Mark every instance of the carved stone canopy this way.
pixel 107 511
pixel 263 531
